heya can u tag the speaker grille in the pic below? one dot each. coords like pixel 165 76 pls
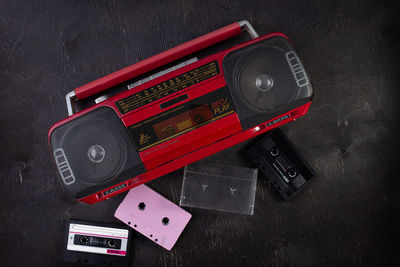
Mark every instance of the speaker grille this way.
pixel 94 150
pixel 98 151
pixel 262 82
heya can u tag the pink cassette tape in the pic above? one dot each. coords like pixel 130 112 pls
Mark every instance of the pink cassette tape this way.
pixel 153 216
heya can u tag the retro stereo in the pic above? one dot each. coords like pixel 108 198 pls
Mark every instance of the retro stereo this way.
pixel 158 124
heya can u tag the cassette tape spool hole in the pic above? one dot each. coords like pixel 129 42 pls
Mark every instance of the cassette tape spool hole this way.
pixel 292 173
pixel 198 118
pixel 142 206
pixel 84 240
pixel 274 151
pixel 111 243
pixel 165 221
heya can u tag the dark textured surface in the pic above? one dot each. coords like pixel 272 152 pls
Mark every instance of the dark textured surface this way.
pixel 347 216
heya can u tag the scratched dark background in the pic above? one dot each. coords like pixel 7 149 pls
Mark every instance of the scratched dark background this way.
pixel 347 216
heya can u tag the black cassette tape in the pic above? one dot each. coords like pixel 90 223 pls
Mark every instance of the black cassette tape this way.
pixel 97 244
pixel 280 162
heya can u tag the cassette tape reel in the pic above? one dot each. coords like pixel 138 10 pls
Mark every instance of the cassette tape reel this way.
pixel 97 244
pixel 153 216
pixel 281 163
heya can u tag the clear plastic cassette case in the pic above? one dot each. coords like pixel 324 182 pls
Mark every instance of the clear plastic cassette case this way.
pixel 219 187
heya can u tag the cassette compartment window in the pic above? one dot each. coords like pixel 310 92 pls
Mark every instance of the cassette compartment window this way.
pixel 183 121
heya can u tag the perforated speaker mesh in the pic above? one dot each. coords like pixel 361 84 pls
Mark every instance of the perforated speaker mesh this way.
pixel 263 82
pixel 94 151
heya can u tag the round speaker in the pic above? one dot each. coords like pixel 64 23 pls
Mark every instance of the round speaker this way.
pixel 96 152
pixel 263 78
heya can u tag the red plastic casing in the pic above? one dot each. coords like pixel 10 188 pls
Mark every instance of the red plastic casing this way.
pixel 187 148
pixel 158 60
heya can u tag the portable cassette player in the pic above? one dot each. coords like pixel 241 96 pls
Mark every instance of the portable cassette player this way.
pixel 177 116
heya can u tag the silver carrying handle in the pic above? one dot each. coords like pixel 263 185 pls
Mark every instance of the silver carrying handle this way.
pixel 71 98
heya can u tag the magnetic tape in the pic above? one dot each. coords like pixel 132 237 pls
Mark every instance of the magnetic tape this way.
pixel 179 115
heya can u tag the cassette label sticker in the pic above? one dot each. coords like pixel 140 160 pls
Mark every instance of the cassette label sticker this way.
pixel 182 119
pixel 97 239
pixel 168 87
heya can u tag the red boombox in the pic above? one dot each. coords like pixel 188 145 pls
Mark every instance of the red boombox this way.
pixel 158 124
